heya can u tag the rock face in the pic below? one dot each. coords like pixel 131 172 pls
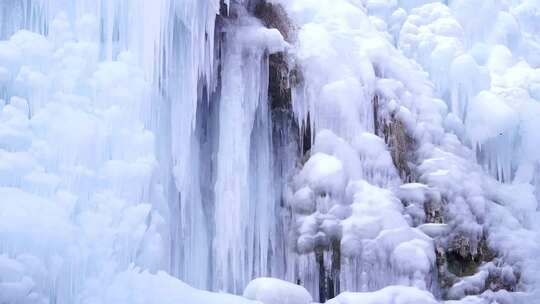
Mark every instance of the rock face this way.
pixel 274 16
pixel 401 144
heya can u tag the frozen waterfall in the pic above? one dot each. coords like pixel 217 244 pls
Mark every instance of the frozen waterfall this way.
pixel 269 151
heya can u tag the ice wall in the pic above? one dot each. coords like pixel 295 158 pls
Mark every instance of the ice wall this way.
pixel 385 143
pixel 81 193
pixel 146 143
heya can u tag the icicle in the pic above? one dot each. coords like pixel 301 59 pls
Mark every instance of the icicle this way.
pixel 186 64
pixel 245 203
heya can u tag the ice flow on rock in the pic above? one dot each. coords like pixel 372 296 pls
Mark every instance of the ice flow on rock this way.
pixel 293 151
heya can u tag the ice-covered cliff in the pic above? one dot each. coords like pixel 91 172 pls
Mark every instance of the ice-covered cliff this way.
pixel 171 151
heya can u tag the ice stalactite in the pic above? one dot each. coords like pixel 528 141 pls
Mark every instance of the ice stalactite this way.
pixel 221 146
pixel 245 239
pixel 187 83
pixel 24 14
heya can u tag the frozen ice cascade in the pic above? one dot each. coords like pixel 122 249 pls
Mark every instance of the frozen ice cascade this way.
pixel 269 151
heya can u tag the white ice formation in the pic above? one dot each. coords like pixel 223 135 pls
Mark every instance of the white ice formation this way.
pixel 207 151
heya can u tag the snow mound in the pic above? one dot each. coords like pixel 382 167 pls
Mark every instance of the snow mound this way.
pixel 388 295
pixel 489 117
pixel 275 291
pixel 134 286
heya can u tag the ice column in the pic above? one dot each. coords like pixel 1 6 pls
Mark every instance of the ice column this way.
pixel 245 201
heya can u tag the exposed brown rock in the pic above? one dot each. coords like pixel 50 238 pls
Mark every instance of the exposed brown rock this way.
pixel 274 16
pixel 401 145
